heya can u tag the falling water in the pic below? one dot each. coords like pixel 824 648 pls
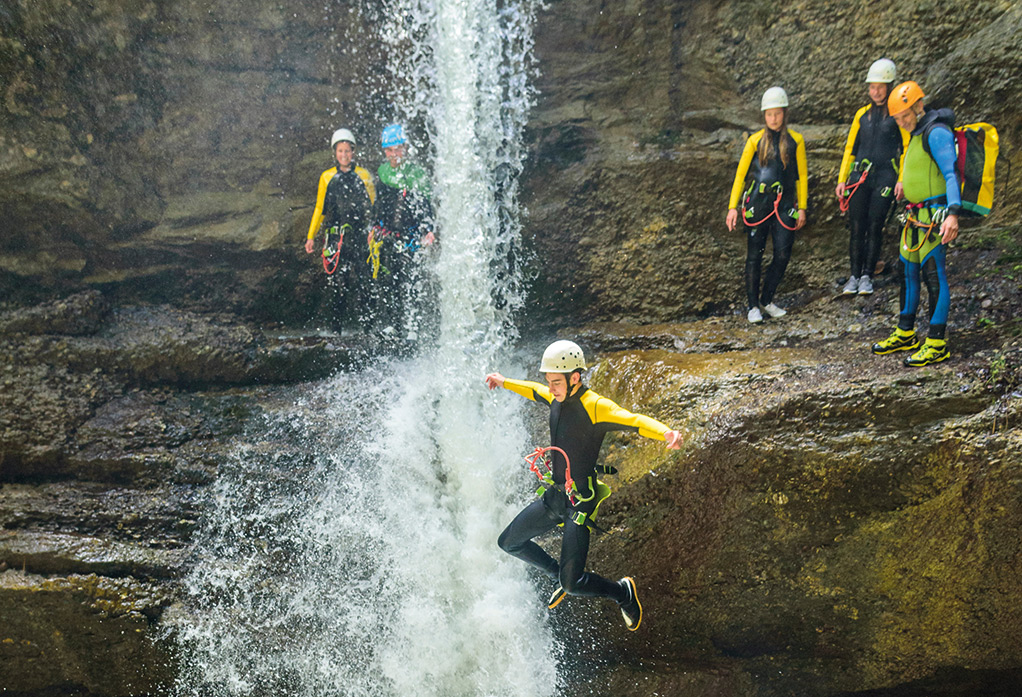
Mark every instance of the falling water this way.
pixel 371 568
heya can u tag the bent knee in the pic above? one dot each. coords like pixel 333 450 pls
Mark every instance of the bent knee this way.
pixel 570 580
pixel 505 543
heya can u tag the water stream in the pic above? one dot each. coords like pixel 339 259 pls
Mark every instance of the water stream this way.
pixel 369 567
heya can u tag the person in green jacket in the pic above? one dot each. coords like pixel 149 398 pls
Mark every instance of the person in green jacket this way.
pixel 402 226
pixel 929 184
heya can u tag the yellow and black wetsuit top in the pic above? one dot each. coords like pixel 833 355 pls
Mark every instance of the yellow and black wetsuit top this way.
pixel 324 182
pixel 578 425
pixel 794 178
pixel 874 137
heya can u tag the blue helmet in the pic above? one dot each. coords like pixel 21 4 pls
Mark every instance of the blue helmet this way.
pixel 394 134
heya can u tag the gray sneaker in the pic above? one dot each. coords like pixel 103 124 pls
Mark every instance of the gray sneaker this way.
pixel 865 286
pixel 852 287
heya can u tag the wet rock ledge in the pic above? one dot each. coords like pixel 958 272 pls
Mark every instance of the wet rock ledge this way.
pixel 111 421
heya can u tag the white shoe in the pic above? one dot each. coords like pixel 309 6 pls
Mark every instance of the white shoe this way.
pixel 755 316
pixel 774 311
pixel 852 287
pixel 865 286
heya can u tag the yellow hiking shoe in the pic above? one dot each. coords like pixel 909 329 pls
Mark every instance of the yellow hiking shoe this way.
pixel 900 340
pixel 933 351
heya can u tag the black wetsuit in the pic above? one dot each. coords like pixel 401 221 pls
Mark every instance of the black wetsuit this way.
pixel 347 204
pixel 875 140
pixel 346 213
pixel 577 426
pixel 758 205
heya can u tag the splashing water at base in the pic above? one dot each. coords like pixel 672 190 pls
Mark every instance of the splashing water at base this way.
pixel 372 567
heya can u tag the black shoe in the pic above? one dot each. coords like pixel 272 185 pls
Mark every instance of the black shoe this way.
pixel 556 597
pixel 631 609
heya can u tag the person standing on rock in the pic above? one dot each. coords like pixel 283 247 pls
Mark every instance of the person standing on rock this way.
pixel 774 204
pixel 930 185
pixel 868 176
pixel 402 225
pixel 579 419
pixel 344 201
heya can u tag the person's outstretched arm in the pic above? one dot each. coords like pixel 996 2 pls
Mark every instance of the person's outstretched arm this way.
pixel 530 390
pixel 607 412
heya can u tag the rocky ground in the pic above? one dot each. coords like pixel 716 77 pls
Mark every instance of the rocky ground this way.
pixel 836 525
pixel 113 420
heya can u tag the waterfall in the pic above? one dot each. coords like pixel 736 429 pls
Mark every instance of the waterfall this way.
pixel 349 547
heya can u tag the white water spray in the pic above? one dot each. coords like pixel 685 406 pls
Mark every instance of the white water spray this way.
pixel 373 570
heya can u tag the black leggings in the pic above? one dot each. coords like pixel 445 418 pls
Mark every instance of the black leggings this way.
pixel 783 241
pixel 542 516
pixel 867 213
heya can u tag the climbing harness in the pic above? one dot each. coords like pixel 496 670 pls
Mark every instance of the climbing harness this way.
pixel 376 237
pixel 547 478
pixel 844 201
pixel 332 260
pixel 779 188
pixel 937 216
pixel 600 491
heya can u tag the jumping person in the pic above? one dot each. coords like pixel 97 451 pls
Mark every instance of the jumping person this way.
pixel 579 419
pixel 402 224
pixel 929 183
pixel 868 176
pixel 774 204
pixel 343 203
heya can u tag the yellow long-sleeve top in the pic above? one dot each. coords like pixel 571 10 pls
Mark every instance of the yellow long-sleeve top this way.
pixel 324 182
pixel 578 425
pixel 873 136
pixel 796 177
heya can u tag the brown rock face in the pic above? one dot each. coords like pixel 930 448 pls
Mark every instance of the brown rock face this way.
pixel 644 108
pixel 172 152
pixel 836 526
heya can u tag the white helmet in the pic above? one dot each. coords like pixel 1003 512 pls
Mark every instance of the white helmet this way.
pixel 342 134
pixel 562 357
pixel 774 98
pixel 882 70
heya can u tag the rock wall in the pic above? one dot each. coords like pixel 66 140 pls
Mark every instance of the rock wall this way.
pixel 835 526
pixel 170 152
pixel 644 108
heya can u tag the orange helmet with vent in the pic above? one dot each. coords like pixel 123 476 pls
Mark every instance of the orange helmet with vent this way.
pixel 903 97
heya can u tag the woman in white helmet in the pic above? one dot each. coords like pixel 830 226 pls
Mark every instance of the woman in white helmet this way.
pixel 579 419
pixel 868 176
pixel 773 204
pixel 344 203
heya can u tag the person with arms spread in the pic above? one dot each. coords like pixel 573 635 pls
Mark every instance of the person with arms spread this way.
pixel 579 420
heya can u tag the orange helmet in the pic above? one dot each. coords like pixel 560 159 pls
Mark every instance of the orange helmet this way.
pixel 903 97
